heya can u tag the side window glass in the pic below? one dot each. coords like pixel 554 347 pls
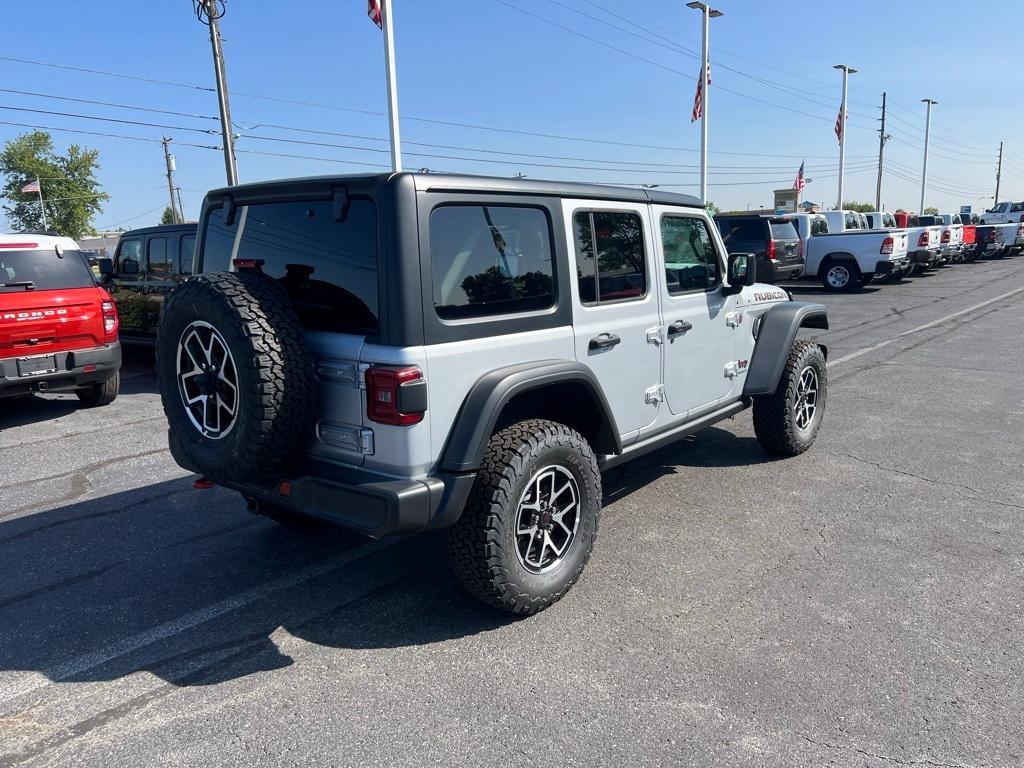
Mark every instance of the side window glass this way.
pixel 186 250
pixel 129 257
pixel 490 260
pixel 159 265
pixel 691 263
pixel 610 257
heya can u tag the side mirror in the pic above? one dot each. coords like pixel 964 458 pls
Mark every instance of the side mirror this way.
pixel 106 267
pixel 742 271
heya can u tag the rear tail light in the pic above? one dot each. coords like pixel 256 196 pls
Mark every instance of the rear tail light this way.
pixel 886 246
pixel 111 322
pixel 395 395
pixel 991 236
pixel 945 236
pixel 922 241
pixel 1020 231
pixel 770 249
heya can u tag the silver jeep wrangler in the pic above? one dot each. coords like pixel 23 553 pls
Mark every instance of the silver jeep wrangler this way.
pixel 395 353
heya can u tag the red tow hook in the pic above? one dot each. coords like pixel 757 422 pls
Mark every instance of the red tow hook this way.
pixel 203 484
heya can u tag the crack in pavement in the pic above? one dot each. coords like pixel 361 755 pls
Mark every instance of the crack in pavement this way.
pixel 885 758
pixel 976 495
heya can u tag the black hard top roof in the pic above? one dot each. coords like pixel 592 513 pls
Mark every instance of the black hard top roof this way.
pixel 451 182
pixel 189 227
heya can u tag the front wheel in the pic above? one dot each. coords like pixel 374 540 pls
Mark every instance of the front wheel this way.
pixel 531 520
pixel 786 422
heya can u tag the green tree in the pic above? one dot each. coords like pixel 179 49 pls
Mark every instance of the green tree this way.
pixel 711 208
pixel 931 210
pixel 855 205
pixel 168 216
pixel 71 192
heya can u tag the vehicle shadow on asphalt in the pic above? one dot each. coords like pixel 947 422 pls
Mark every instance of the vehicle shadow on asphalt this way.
pixel 188 586
pixel 29 409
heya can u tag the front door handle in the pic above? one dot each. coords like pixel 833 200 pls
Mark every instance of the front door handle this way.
pixel 604 341
pixel 679 326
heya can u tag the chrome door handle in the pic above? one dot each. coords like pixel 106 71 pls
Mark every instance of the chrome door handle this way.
pixel 604 341
pixel 679 326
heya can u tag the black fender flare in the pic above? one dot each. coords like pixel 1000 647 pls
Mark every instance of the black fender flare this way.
pixel 476 420
pixel 776 334
pixel 837 256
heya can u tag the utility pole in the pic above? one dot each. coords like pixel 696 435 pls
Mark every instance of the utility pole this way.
pixel 707 13
pixel 208 10
pixel 841 120
pixel 882 138
pixel 169 162
pixel 999 173
pixel 181 207
pixel 927 131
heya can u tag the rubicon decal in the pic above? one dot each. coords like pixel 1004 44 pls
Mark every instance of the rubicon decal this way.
pixel 32 314
pixel 771 296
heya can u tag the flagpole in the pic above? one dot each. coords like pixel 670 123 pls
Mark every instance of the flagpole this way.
pixel 389 62
pixel 42 207
pixel 707 13
pixel 842 132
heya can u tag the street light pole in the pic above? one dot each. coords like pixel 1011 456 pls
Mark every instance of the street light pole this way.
pixel 847 71
pixel 210 11
pixel 924 168
pixel 169 162
pixel 707 13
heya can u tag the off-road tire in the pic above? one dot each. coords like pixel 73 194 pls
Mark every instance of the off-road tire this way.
pixel 103 393
pixel 276 375
pixel 774 415
pixel 482 544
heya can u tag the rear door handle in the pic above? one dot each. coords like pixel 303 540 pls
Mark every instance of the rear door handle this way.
pixel 604 341
pixel 679 326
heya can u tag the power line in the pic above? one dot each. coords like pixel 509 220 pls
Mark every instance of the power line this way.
pixel 103 134
pixel 134 107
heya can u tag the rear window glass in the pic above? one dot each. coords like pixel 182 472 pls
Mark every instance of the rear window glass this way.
pixel 43 270
pixel 490 260
pixel 327 267
pixel 784 230
pixel 742 230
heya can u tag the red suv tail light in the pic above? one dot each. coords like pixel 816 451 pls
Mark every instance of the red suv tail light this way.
pixel 111 321
pixel 886 246
pixel 770 249
pixel 922 241
pixel 395 395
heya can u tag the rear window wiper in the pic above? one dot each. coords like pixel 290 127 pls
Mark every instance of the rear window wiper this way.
pixel 27 284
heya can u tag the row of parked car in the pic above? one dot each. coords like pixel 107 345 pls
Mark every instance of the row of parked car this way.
pixel 846 249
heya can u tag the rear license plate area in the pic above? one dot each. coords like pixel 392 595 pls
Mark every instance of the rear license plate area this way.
pixel 36 366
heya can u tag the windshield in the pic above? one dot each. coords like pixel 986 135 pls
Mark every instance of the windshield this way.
pixel 43 270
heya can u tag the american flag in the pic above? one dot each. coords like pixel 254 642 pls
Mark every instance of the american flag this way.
pixel 840 122
pixel 698 99
pixel 32 186
pixel 373 11
pixel 800 183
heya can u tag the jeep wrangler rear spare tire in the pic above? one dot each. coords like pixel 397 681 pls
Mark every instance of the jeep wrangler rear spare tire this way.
pixel 236 378
pixel 531 519
pixel 786 422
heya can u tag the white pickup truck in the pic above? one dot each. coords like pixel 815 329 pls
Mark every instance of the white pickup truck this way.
pixel 1013 238
pixel 1003 213
pixel 951 240
pixel 848 260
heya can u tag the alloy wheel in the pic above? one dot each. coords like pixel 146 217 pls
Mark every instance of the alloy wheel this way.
pixel 547 519
pixel 806 403
pixel 207 380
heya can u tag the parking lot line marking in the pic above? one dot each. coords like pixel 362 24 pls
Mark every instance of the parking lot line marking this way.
pixel 98 658
pixel 925 327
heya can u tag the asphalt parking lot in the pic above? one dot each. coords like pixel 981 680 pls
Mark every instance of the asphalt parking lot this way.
pixel 859 605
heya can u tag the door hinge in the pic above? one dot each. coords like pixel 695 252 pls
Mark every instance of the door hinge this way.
pixel 655 335
pixel 734 319
pixel 730 370
pixel 655 394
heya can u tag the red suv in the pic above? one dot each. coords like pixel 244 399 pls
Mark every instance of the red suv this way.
pixel 58 328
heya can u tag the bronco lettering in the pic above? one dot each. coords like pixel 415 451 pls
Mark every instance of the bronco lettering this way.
pixel 35 314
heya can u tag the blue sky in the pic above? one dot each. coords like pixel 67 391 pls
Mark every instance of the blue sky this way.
pixel 520 68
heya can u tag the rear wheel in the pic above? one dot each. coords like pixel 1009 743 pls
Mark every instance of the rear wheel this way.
pixel 531 520
pixel 841 276
pixel 103 393
pixel 786 422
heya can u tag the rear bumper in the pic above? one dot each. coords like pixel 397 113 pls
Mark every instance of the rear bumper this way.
pixel 928 257
pixel 890 266
pixel 773 272
pixel 371 504
pixel 74 370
